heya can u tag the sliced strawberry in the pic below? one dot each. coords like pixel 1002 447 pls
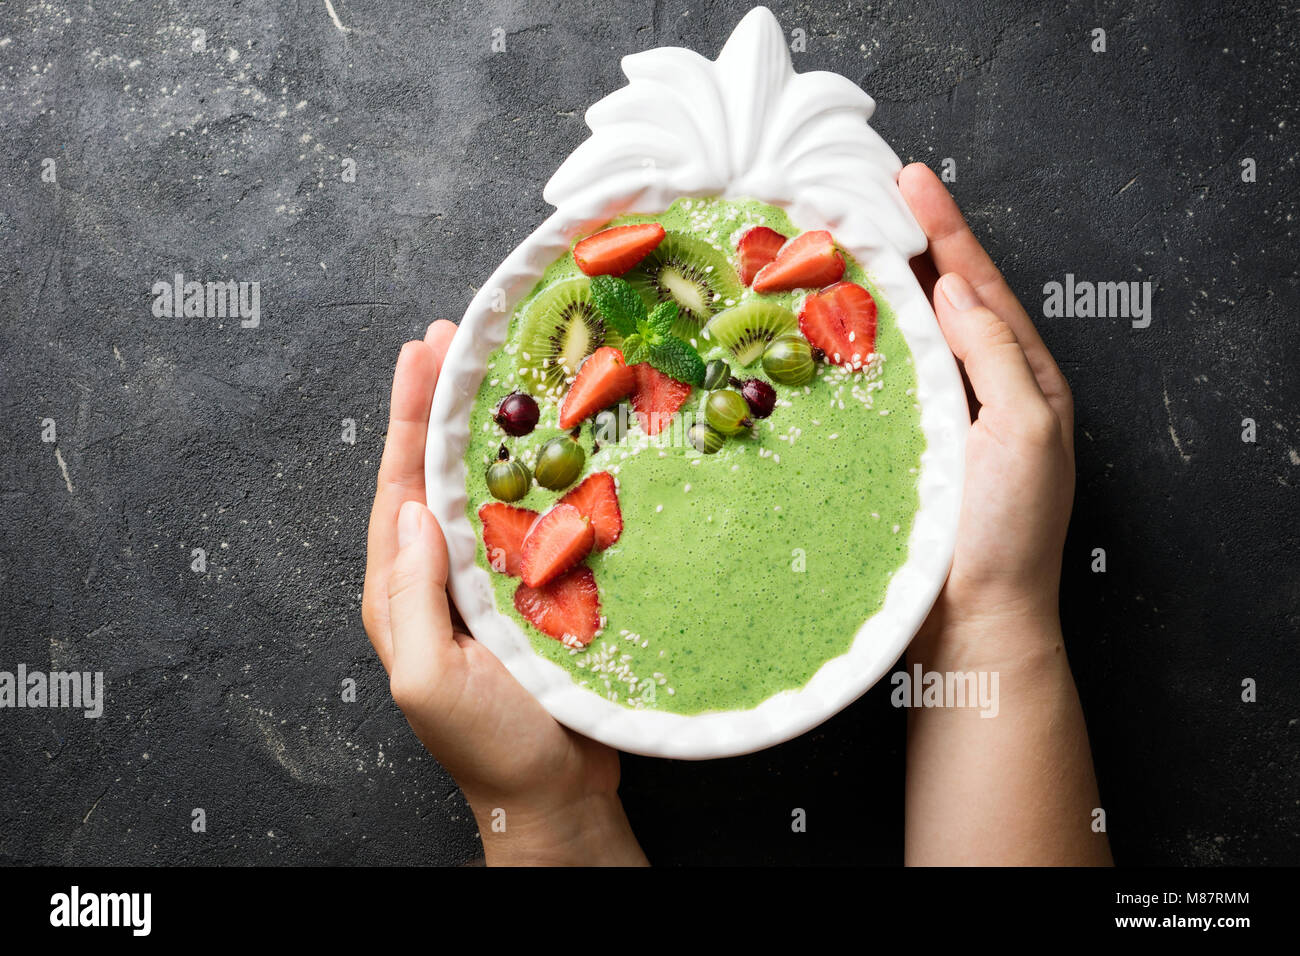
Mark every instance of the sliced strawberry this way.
pixel 656 397
pixel 809 261
pixel 611 252
pixel 560 539
pixel 601 381
pixel 597 498
pixel 567 609
pixel 504 529
pixel 757 248
pixel 841 321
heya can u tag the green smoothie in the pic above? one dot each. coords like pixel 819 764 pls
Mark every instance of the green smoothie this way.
pixel 737 574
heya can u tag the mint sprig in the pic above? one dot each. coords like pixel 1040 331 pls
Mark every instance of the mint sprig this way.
pixel 618 304
pixel 678 360
pixel 646 337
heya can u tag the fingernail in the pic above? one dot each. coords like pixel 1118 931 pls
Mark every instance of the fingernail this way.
pixel 959 293
pixel 408 523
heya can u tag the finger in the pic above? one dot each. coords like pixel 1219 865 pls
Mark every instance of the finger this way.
pixel 401 470
pixel 408 416
pixel 954 248
pixel 418 608
pixel 401 478
pixel 987 347
pixel 438 337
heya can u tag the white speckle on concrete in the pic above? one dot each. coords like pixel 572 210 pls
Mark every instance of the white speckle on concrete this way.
pixel 338 24
pixel 1178 445
pixel 63 467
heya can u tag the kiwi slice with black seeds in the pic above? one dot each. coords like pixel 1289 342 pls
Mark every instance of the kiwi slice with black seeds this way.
pixel 560 328
pixel 747 329
pixel 692 273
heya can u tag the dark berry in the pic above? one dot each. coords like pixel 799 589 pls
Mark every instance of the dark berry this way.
pixel 517 414
pixel 760 396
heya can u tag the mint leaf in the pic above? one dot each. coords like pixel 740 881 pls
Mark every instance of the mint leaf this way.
pixel 662 318
pixel 635 349
pixel 678 360
pixel 618 303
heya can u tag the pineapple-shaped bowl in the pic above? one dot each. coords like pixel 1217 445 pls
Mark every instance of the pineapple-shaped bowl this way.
pixel 743 126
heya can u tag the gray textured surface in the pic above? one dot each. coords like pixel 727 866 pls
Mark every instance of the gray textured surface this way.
pixel 223 688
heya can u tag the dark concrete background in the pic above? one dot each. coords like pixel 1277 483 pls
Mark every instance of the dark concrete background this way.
pixel 223 687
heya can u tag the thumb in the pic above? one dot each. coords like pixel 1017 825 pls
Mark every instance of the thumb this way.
pixel 418 608
pixel 987 347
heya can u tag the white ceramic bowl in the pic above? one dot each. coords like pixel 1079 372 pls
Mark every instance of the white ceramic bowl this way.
pixel 799 141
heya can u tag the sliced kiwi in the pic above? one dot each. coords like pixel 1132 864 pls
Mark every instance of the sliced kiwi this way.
pixel 692 273
pixel 747 329
pixel 559 329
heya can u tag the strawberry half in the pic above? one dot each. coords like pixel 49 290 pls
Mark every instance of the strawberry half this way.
pixel 560 539
pixel 567 609
pixel 601 381
pixel 597 498
pixel 656 397
pixel 757 248
pixel 611 252
pixel 504 530
pixel 807 262
pixel 841 321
